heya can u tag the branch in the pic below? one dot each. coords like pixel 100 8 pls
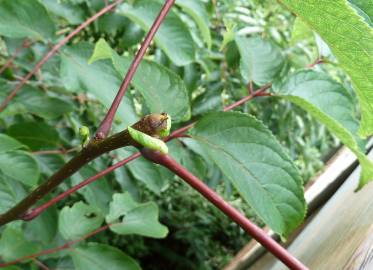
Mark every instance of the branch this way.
pixel 257 233
pixel 53 51
pixel 38 210
pixel 176 134
pixel 151 125
pixel 259 92
pixel 318 61
pixel 250 87
pixel 107 122
pixel 54 250
pixel 25 44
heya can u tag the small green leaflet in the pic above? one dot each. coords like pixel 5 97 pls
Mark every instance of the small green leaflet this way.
pixel 78 220
pixel 84 135
pixel 135 218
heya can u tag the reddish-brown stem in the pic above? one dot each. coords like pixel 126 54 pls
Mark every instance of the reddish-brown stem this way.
pixel 250 87
pixel 258 92
pixel 177 133
pixel 53 51
pixel 25 44
pixel 37 211
pixel 254 231
pixel 316 62
pixel 54 250
pixel 107 122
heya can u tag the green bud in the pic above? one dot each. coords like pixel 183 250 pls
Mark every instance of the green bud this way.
pixel 84 135
pixel 165 132
pixel 148 141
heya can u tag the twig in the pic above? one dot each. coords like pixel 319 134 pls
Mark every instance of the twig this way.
pixel 53 51
pixel 253 230
pixel 107 122
pixel 250 87
pixel 176 134
pixel 259 92
pixel 54 250
pixel 316 62
pixel 38 210
pixel 151 124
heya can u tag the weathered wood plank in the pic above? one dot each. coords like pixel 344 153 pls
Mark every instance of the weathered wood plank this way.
pixel 363 257
pixel 339 236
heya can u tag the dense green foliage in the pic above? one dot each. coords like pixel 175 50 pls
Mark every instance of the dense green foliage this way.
pixel 206 55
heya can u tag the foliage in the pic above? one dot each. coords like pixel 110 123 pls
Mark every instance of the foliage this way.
pixel 351 42
pixel 206 55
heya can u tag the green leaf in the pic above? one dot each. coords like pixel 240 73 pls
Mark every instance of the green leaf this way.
pixel 96 256
pixel 351 40
pixel 38 103
pixel 20 19
pixel 330 103
pixel 257 165
pixel 36 135
pixel 193 162
pixel 154 176
pixel 78 220
pixel 72 13
pixel 34 101
pixel 11 268
pixel 13 244
pixel 99 79
pixel 173 36
pixel 366 6
pixel 122 203
pixel 163 90
pixel 98 193
pixel 44 228
pixel 300 32
pixel 261 60
pixel 49 164
pixel 8 144
pixel 197 10
pixel 21 166
pixel 141 219
pixel 361 13
pixel 11 192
